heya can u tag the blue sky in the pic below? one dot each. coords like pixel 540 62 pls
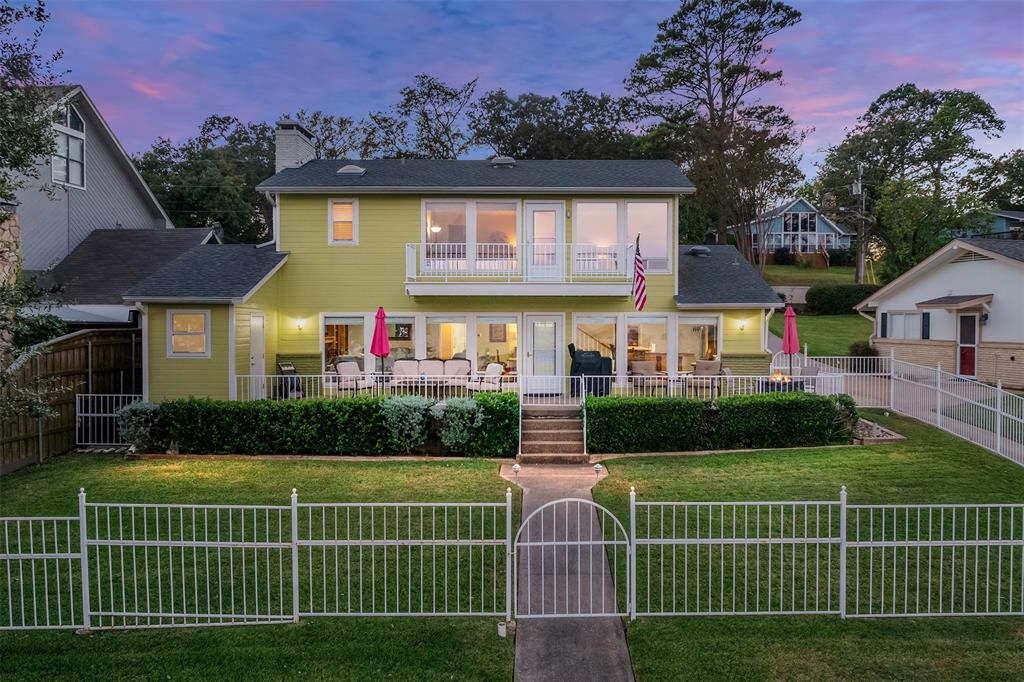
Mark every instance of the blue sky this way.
pixel 158 68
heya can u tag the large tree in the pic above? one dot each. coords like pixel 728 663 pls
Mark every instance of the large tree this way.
pixel 334 137
pixel 999 182
pixel 701 79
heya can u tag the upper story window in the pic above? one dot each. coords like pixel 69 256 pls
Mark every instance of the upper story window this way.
pixel 188 333
pixel 67 165
pixel 607 223
pixel 344 221
pixel 800 222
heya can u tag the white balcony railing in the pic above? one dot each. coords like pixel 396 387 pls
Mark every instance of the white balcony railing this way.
pixel 529 262
pixel 810 242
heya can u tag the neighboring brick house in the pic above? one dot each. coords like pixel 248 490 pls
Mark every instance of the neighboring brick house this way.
pixel 961 308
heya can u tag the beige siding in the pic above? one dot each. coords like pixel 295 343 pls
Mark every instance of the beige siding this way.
pixel 171 378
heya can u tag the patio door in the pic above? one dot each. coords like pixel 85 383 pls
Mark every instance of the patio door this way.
pixel 966 344
pixel 543 356
pixel 257 355
pixel 545 238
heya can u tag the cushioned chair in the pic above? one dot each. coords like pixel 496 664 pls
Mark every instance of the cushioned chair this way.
pixel 491 379
pixel 457 371
pixel 405 372
pixel 431 368
pixel 350 377
pixel 645 375
pixel 704 379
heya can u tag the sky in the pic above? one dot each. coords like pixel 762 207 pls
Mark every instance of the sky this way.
pixel 158 68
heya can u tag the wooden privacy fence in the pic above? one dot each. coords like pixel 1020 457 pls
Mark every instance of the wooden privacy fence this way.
pixel 88 361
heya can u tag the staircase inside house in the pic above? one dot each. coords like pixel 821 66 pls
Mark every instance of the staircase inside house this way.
pixel 552 435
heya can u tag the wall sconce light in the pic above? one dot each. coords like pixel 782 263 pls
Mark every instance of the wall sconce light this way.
pixel 299 324
pixel 743 325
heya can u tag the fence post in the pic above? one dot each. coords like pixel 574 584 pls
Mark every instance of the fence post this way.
pixel 842 552
pixel 295 555
pixel 938 395
pixel 892 378
pixel 631 587
pixel 83 547
pixel 510 579
pixel 999 417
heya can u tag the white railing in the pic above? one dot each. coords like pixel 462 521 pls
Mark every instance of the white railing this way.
pixel 96 418
pixel 528 262
pixel 40 578
pixel 806 242
pixel 302 386
pixel 980 413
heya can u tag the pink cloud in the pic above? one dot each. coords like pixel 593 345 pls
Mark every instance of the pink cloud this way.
pixel 184 46
pixel 87 25
pixel 150 89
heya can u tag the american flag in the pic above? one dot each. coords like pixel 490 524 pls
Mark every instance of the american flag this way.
pixel 639 280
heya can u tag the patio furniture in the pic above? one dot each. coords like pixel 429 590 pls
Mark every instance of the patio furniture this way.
pixel 405 373
pixel 289 384
pixel 767 385
pixel 457 371
pixel 350 377
pixel 490 379
pixel 705 375
pixel 644 375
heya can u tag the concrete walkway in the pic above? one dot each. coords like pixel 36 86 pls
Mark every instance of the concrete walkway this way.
pixel 577 581
pixel 794 295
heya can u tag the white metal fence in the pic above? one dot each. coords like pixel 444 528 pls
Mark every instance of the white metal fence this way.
pixel 96 417
pixel 332 386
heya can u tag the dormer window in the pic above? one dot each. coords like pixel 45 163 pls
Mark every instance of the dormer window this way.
pixel 67 164
pixel 800 222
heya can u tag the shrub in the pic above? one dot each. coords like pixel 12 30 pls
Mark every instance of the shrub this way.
pixel 766 420
pixel 498 436
pixel 837 299
pixel 841 257
pixel 459 419
pixel 407 421
pixel 618 424
pixel 28 331
pixel 141 425
pixel 863 348
pixel 782 256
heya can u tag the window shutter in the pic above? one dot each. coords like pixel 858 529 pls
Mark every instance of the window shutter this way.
pixel 883 327
pixel 926 325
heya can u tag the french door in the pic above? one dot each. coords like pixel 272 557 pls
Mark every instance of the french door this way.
pixel 545 240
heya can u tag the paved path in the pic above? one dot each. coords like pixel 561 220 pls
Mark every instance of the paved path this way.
pixel 564 649
pixel 793 294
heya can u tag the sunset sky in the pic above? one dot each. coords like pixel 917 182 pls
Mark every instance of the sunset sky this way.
pixel 159 68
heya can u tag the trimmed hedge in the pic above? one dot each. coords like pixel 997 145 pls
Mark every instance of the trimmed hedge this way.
pixel 769 420
pixel 353 426
pixel 837 299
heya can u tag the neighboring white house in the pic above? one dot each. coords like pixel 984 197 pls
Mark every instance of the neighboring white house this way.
pixel 962 307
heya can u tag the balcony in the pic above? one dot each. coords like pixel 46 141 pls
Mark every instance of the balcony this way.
pixel 530 269
pixel 804 242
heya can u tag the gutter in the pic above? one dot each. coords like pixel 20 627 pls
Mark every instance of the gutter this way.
pixel 375 189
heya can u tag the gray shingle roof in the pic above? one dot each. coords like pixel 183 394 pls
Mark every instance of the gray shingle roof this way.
pixel 952 300
pixel 441 175
pixel 723 277
pixel 1011 248
pixel 109 262
pixel 221 273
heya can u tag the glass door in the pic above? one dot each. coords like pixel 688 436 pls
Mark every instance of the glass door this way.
pixel 545 252
pixel 967 344
pixel 543 357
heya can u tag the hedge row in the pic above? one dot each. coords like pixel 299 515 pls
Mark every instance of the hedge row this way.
pixel 484 426
pixel 837 299
pixel 768 420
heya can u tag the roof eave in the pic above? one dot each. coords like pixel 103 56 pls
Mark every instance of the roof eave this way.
pixel 759 305
pixel 386 189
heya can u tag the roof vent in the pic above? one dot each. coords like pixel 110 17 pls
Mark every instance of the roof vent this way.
pixel 701 251
pixel 351 169
pixel 503 162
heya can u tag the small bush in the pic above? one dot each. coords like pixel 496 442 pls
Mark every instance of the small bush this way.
pixel 499 434
pixel 460 418
pixel 618 424
pixel 863 348
pixel 841 257
pixel 141 425
pixel 837 299
pixel 782 256
pixel 407 420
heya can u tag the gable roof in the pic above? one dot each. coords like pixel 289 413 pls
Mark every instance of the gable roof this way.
pixel 211 273
pixel 439 175
pixel 1006 250
pixel 65 93
pixel 785 207
pixel 1013 215
pixel 721 278
pixel 107 263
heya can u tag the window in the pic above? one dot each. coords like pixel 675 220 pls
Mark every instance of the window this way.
pixel 446 337
pixel 597 334
pixel 402 337
pixel 188 333
pixel 647 342
pixel 799 222
pixel 497 340
pixel 344 221
pixel 604 230
pixel 344 339
pixel 698 340
pixel 904 326
pixel 496 227
pixel 67 164
pixel 650 220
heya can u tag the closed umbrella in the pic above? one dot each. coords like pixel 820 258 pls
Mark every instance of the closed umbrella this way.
pixel 380 346
pixel 790 340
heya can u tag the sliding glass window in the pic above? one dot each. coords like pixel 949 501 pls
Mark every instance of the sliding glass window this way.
pixel 647 345
pixel 698 340
pixel 597 333
pixel 446 337
pixel 497 341
pixel 345 340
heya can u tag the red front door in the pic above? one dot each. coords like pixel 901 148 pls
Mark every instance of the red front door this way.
pixel 967 344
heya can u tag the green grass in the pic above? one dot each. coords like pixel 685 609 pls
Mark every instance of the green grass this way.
pixel 929 467
pixel 826 334
pixel 345 648
pixel 794 276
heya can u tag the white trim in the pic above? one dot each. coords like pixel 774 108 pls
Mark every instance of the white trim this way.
pixel 622 227
pixel 144 321
pixel 457 190
pixel 354 202
pixel 524 338
pixel 77 134
pixel 975 345
pixel 620 289
pixel 207 332
pixel 232 352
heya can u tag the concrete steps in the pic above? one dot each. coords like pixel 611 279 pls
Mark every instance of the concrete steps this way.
pixel 552 435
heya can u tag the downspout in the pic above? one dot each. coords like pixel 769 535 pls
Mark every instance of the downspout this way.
pixel 275 216
pixel 144 324
pixel 764 330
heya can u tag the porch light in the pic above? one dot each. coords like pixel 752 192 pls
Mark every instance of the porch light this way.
pixel 435 228
pixel 743 325
pixel 299 324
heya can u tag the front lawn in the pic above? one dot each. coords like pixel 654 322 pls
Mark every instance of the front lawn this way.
pixel 929 467
pixel 794 276
pixel 317 648
pixel 825 334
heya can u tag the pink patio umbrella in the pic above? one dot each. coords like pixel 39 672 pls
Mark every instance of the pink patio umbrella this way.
pixel 790 340
pixel 380 346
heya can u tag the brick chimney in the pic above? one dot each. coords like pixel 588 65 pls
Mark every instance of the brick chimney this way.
pixel 293 145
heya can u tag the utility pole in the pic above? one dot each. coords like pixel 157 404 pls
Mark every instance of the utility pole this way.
pixel 858 190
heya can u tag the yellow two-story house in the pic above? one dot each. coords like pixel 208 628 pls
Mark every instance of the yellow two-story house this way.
pixel 496 261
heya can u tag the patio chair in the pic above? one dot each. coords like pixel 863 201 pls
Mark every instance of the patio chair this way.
pixel 645 376
pixel 490 380
pixel 457 371
pixel 704 378
pixel 405 373
pixel 350 377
